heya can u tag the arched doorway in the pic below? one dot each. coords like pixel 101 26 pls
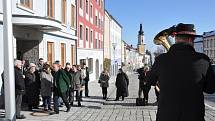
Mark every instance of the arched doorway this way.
pixel 97 69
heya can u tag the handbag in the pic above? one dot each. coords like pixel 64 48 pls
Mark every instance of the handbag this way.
pixel 140 102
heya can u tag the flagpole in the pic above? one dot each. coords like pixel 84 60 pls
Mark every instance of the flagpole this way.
pixel 9 83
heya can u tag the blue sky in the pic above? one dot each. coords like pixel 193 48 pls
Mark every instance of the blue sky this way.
pixel 156 15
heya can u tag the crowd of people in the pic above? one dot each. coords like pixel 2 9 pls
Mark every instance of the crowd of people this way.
pixel 41 81
pixel 57 84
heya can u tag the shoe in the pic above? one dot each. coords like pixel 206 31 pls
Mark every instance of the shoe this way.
pixel 52 113
pixel 50 109
pixel 116 100
pixel 71 103
pixel 35 107
pixel 68 109
pixel 81 99
pixel 20 117
pixel 45 109
pixel 79 104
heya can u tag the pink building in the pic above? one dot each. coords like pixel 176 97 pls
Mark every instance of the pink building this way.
pixel 90 32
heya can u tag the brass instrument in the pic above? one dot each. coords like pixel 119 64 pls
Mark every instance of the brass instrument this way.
pixel 162 38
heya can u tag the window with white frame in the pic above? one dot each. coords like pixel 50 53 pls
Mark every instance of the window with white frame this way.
pixel 87 34
pixel 91 36
pixel 64 11
pixel 27 3
pixel 81 4
pixel 91 11
pixel 90 65
pixel 87 6
pixel 73 16
pixel 51 7
pixel 81 32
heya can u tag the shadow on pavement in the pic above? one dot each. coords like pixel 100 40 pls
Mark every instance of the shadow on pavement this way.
pixel 95 97
pixel 94 107
pixel 92 101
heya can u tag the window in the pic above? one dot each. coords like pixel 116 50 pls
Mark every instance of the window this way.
pixel 87 6
pixel 81 32
pixel 96 43
pixel 96 20
pixel 27 3
pixel 73 54
pixel 73 16
pixel 91 11
pixel 90 65
pixel 81 4
pixel 82 61
pixel 91 36
pixel 64 12
pixel 99 22
pixel 99 43
pixel 87 34
pixel 50 8
pixel 63 54
pixel 50 52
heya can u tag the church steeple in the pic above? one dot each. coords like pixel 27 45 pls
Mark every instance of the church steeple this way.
pixel 141 45
pixel 141 30
pixel 141 35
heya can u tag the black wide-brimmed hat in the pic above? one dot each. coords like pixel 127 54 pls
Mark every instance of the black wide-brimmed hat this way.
pixel 185 29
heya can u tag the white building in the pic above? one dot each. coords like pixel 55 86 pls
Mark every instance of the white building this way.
pixel 198 45
pixel 209 44
pixel 42 29
pixel 116 49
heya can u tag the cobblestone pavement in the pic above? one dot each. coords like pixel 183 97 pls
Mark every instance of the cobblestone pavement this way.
pixel 96 109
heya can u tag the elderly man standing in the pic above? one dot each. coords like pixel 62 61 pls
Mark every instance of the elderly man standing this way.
pixel 19 87
pixel 61 86
pixel 183 75
pixel 76 85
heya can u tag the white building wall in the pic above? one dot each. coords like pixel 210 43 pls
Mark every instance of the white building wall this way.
pixel 116 38
pixel 95 54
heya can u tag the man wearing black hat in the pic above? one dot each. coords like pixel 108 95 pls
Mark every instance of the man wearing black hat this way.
pixel 183 75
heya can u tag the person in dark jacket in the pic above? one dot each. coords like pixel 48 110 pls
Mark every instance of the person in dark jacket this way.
pixel 68 71
pixel 19 88
pixel 75 85
pixel 32 87
pixel 104 83
pixel 183 75
pixel 143 86
pixel 86 81
pixel 61 86
pixel 122 83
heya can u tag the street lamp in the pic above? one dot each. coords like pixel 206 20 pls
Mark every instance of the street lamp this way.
pixel 114 53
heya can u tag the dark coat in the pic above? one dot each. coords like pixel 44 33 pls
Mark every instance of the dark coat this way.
pixel 61 81
pixel 87 78
pixel 104 80
pixel 183 75
pixel 32 88
pixel 19 82
pixel 122 83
